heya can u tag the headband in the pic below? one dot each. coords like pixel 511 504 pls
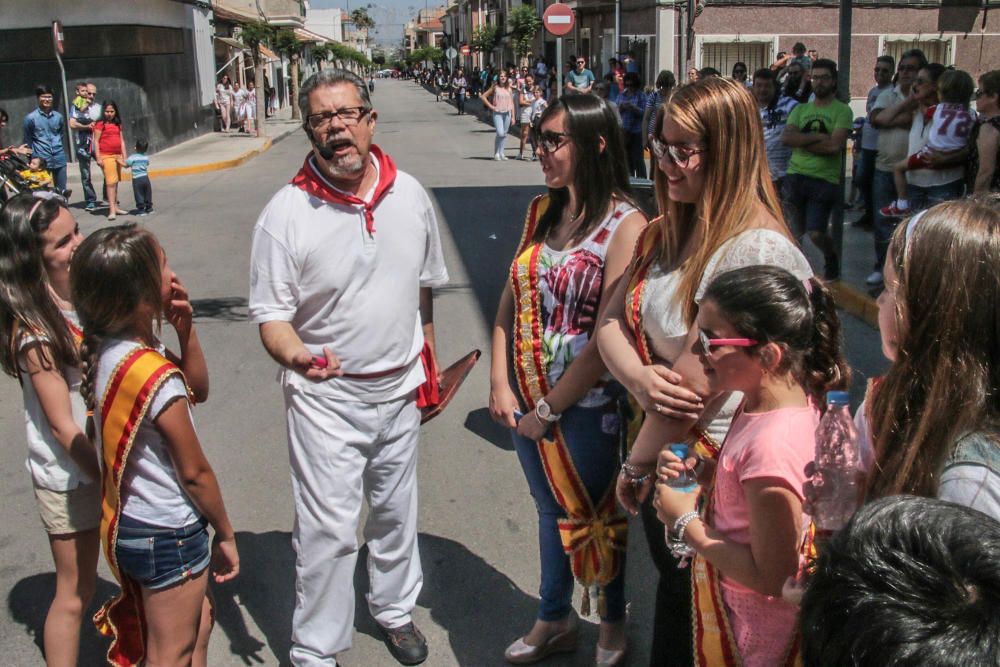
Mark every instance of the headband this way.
pixel 43 196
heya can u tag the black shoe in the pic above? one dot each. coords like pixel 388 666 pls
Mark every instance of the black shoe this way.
pixel 832 269
pixel 406 644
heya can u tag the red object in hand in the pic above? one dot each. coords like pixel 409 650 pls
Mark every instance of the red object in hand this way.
pixel 319 362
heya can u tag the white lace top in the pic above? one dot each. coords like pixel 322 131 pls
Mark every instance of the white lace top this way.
pixel 663 316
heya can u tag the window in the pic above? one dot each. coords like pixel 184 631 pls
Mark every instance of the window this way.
pixel 937 50
pixel 723 55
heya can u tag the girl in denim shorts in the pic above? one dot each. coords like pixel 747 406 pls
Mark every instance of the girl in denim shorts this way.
pixel 160 492
pixel 38 345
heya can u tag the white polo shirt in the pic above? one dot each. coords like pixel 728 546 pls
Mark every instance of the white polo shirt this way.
pixel 314 264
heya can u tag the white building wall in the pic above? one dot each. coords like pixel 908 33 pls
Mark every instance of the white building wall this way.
pixel 202 33
pixel 325 22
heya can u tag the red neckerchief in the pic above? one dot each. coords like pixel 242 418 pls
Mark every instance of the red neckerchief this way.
pixel 310 180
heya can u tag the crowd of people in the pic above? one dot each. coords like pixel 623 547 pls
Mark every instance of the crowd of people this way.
pixel 704 329
pixel 96 130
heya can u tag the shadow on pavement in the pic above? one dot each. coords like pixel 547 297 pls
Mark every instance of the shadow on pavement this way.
pixel 479 608
pixel 28 604
pixel 485 240
pixel 480 423
pixel 225 309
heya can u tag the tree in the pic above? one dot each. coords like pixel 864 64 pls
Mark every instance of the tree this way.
pixel 288 44
pixel 322 53
pixel 361 19
pixel 426 54
pixel 253 35
pixel 484 39
pixel 524 25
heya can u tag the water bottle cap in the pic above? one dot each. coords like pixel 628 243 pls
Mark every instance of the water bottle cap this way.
pixel 679 449
pixel 837 398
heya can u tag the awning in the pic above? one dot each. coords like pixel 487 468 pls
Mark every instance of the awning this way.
pixel 236 44
pixel 268 53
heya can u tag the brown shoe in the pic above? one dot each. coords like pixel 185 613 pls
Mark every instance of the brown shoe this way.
pixel 406 644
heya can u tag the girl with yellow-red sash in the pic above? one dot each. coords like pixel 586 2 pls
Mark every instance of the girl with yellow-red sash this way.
pixel 159 492
pixel 775 339
pixel 577 242
pixel 39 339
pixel 720 212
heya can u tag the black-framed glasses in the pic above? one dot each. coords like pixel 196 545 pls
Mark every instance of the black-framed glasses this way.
pixel 550 141
pixel 821 77
pixel 883 70
pixel 347 116
pixel 679 154
pixel 581 62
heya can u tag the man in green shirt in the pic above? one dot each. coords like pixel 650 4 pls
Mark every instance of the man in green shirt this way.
pixel 817 132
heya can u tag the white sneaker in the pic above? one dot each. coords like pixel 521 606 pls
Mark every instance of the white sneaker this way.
pixel 874 278
pixel 497 157
pixel 502 156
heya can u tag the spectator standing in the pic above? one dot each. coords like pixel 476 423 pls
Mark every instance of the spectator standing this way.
pixel 884 68
pixel 740 74
pixel 499 99
pixel 946 178
pixel 692 74
pixel 665 83
pixel 239 97
pixel 797 84
pixel 774 110
pixel 985 142
pixel 893 124
pixel 579 79
pixel 632 107
pixel 460 85
pixel 82 119
pixel 43 132
pixel 248 109
pixel 525 100
pixel 817 132
pixel 268 97
pixel 142 189
pixel 109 145
pixel 225 99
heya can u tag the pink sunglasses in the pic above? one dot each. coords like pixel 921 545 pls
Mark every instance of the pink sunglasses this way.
pixel 708 343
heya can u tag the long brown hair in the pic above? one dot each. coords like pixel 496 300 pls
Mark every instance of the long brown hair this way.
pixel 946 378
pixel 725 114
pixel 115 271
pixel 26 306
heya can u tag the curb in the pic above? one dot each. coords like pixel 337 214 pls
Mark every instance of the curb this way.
pixel 855 302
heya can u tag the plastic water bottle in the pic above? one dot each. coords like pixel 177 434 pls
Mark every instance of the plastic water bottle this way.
pixel 687 482
pixel 835 478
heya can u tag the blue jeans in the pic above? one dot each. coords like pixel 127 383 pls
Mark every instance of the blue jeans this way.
pixel 921 198
pixel 89 196
pixel 865 177
pixel 58 177
pixel 460 101
pixel 883 194
pixel 592 439
pixel 158 557
pixel 501 121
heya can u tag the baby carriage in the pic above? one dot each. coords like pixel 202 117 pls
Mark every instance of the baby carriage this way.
pixel 13 183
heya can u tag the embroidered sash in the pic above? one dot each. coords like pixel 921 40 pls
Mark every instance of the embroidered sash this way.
pixel 647 251
pixel 594 536
pixel 128 396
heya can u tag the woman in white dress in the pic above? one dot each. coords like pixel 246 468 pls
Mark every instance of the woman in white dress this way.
pixel 224 101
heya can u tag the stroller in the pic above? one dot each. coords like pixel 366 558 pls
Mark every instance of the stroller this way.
pixel 12 183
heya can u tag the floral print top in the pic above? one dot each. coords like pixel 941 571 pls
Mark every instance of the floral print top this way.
pixel 570 282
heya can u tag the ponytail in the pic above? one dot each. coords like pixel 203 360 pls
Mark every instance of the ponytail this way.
pixel 770 305
pixel 824 366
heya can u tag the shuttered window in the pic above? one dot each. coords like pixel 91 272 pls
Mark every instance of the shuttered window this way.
pixel 723 55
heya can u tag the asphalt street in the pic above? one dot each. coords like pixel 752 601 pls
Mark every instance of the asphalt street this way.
pixel 477 520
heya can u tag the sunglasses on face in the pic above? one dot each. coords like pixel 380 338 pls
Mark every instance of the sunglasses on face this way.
pixel 709 344
pixel 550 142
pixel 883 70
pixel 907 68
pixel 679 154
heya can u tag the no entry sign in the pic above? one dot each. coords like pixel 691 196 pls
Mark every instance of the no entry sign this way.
pixel 558 19
pixel 465 50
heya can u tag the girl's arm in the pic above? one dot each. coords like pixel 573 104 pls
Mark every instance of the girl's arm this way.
pixel 485 97
pixel 198 480
pixel 650 385
pixel 96 141
pixel 503 398
pixel 53 395
pixel 775 530
pixel 124 153
pixel 588 367
pixel 987 144
pixel 191 359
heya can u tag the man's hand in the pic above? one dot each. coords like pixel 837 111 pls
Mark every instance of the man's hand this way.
pixel 317 368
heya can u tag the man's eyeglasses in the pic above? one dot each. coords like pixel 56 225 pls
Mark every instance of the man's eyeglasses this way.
pixel 980 92
pixel 581 62
pixel 708 344
pixel 347 116
pixel 679 154
pixel 550 142
pixel 821 77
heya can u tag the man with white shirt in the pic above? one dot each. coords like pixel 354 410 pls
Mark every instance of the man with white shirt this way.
pixel 343 262
pixel 81 119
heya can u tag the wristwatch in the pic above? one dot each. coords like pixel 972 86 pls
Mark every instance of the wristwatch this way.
pixel 544 411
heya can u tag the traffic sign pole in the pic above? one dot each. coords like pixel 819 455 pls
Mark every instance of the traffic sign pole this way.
pixel 558 20
pixel 57 44
pixel 559 64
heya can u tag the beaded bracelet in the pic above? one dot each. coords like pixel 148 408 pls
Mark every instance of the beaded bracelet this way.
pixel 678 547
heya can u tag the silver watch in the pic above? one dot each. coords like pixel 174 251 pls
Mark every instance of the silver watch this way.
pixel 544 411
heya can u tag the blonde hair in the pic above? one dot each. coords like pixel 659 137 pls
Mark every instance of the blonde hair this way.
pixel 725 115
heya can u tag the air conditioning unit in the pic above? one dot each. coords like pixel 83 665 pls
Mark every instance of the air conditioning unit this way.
pixel 584 33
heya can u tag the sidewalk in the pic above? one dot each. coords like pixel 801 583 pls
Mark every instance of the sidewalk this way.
pixel 851 292
pixel 209 152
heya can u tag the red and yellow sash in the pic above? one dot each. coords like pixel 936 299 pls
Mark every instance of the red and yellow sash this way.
pixel 647 253
pixel 129 394
pixel 594 537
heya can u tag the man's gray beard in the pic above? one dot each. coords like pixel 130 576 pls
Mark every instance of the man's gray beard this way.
pixel 347 166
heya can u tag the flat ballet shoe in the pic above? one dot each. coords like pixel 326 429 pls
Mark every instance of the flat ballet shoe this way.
pixel 520 653
pixel 609 658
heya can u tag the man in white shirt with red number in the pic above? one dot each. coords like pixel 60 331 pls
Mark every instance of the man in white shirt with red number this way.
pixel 343 262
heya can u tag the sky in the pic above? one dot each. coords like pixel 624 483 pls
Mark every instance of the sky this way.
pixel 390 15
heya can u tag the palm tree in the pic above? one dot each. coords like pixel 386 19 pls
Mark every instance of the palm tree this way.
pixel 288 44
pixel 253 35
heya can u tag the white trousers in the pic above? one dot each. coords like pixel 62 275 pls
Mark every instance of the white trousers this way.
pixel 341 452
